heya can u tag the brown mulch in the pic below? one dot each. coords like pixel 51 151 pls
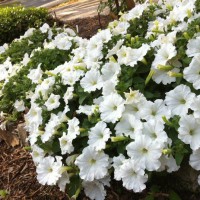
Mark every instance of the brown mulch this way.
pixel 18 177
pixel 89 26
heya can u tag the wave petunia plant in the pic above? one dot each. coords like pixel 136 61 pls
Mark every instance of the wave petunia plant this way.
pixel 123 104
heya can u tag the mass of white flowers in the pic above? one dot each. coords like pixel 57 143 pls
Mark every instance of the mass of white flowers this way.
pixel 124 104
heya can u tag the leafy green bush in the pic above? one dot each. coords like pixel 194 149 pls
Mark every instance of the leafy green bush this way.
pixel 35 48
pixel 16 20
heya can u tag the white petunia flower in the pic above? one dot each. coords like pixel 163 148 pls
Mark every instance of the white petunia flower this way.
pixel 49 170
pixel 130 56
pixel 117 163
pixel 115 48
pixel 91 81
pixel 47 83
pixel 92 164
pixel 62 41
pixel 70 78
pixel 44 28
pixel 109 86
pixel 26 59
pixel 189 131
pixel 155 110
pixel 63 180
pixel 195 106
pixel 168 163
pixel 94 190
pixel 120 27
pixel 134 96
pixel 50 127
pixel 33 118
pixel 146 152
pixel 193 47
pixel 164 54
pixel 19 105
pixel 52 102
pixel 192 72
pixel 94 47
pixel 135 108
pixel 129 125
pixel 86 109
pixel 111 108
pixel 181 9
pixel 136 12
pixel 195 159
pixel 104 36
pixel 68 94
pixel 66 145
pixel 98 136
pixel 35 74
pixel 73 128
pixel 164 39
pixel 158 25
pixel 165 77
pixel 37 154
pixel 179 99
pixel 155 130
pixel 133 176
pixel 110 70
pixel 3 48
pixel 28 33
pixel 4 69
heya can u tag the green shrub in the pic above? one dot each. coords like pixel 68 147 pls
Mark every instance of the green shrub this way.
pixel 16 20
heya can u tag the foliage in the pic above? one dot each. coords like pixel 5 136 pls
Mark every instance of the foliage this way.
pixel 16 20
pixel 123 105
pixel 117 6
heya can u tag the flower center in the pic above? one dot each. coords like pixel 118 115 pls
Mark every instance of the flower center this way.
pixel 52 101
pixel 182 101
pixel 154 135
pixel 50 169
pixel 64 142
pixel 153 113
pixel 92 161
pixel 135 109
pixel 191 132
pixel 144 150
pixel 114 107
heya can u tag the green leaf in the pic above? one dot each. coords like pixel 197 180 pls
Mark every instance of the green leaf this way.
pixel 3 193
pixel 174 196
pixel 149 197
pixel 82 97
pixel 179 157
pixel 75 184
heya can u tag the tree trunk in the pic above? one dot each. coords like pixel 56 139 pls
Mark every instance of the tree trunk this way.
pixel 130 4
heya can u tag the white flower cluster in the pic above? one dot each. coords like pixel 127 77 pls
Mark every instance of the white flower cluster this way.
pixel 84 121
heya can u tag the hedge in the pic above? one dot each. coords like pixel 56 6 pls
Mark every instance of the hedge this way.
pixel 16 20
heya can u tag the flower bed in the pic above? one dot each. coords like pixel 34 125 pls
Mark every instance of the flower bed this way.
pixel 118 106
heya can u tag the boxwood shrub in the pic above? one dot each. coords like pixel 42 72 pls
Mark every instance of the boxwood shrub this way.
pixel 16 20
